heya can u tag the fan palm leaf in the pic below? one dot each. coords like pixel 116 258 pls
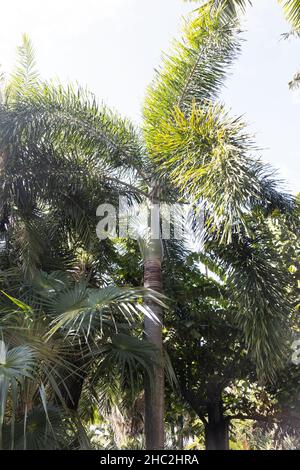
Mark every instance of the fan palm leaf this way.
pixel 83 310
pixel 124 359
pixel 16 364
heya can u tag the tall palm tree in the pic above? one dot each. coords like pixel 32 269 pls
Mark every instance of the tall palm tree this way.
pixel 49 200
pixel 207 155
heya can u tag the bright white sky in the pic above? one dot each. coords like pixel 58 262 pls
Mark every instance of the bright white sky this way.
pixel 113 46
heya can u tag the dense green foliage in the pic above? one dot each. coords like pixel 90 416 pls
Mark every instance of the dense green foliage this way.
pixel 72 348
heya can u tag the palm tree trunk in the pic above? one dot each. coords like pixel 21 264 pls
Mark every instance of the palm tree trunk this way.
pixel 154 391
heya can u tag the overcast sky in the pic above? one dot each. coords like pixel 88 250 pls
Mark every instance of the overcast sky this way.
pixel 113 46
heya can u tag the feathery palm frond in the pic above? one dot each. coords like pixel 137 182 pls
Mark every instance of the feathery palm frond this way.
pixel 259 288
pixel 291 9
pixel 25 75
pixel 16 364
pixel 203 151
pixel 230 7
pixel 207 155
pixel 194 72
pixel 125 358
pixel 73 122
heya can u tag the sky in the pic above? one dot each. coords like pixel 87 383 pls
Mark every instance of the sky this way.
pixel 113 47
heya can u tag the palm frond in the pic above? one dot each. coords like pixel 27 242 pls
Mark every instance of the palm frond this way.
pixel 73 121
pixel 230 7
pixel 259 287
pixel 207 155
pixel 124 359
pixel 25 74
pixel 86 310
pixel 291 9
pixel 194 72
pixel 196 145
pixel 40 431
pixel 16 364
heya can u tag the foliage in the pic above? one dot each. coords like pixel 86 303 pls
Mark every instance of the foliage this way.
pixel 72 347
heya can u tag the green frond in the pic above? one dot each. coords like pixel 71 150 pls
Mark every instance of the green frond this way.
pixel 25 74
pixel 40 431
pixel 30 245
pixel 259 288
pixel 75 124
pixel 194 71
pixel 291 9
pixel 16 364
pixel 230 7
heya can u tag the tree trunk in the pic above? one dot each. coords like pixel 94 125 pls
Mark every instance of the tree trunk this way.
pixel 216 436
pixel 154 395
pixel 216 430
pixel 74 384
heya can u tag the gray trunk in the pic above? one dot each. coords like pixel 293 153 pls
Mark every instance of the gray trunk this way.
pixel 154 395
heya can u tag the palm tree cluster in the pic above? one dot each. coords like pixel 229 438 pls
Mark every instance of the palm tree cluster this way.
pixel 144 337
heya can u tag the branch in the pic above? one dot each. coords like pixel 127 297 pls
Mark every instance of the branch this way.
pixel 254 417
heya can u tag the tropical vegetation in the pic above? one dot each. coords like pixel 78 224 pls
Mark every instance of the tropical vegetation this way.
pixel 145 342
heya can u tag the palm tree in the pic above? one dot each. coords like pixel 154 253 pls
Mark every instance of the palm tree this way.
pixel 205 153
pixel 60 138
pixel 68 332
pixel 49 199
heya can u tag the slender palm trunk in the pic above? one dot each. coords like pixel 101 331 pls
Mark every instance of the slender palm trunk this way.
pixel 154 392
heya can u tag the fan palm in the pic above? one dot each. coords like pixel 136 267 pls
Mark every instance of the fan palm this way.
pixel 15 364
pixel 70 330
